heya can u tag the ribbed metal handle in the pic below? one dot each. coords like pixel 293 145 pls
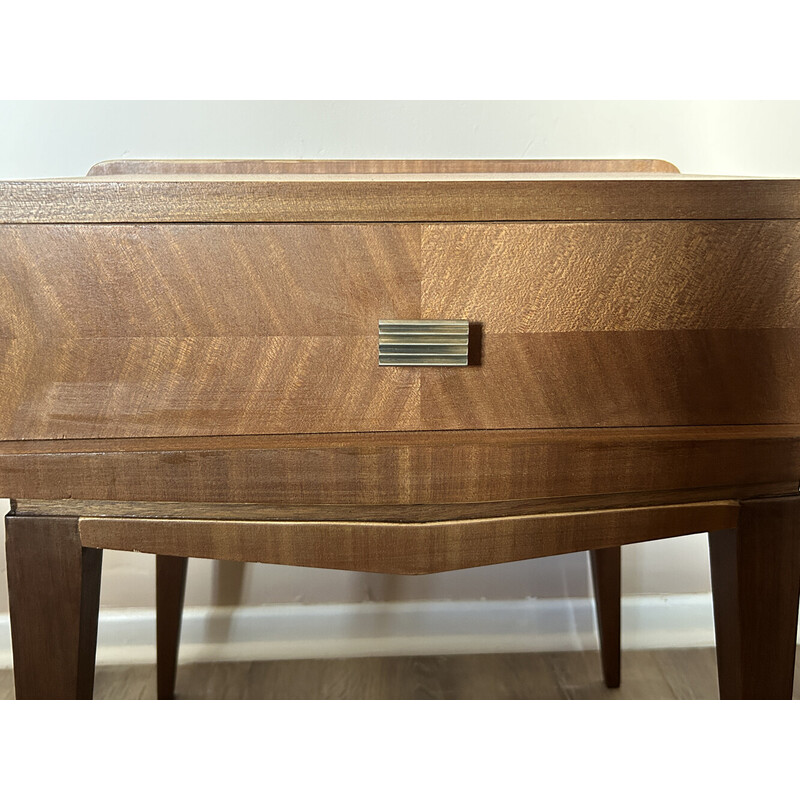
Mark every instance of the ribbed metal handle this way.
pixel 423 342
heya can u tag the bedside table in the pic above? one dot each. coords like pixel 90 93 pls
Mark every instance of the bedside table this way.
pixel 401 367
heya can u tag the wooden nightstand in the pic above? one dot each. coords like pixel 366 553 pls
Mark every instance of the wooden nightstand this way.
pixel 191 368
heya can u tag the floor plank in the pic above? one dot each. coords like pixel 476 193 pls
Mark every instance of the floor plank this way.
pixel 580 677
pixel 6 685
pixel 503 676
pixel 646 675
pixel 125 683
pixel 691 674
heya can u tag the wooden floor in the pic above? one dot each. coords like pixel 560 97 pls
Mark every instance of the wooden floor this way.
pixel 646 675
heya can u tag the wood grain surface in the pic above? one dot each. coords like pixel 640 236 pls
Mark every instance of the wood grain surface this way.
pixel 397 198
pixel 755 576
pixel 132 166
pixel 645 276
pixel 420 512
pixel 606 566
pixel 403 548
pixel 170 592
pixel 114 331
pixel 636 337
pixel 206 281
pixel 54 598
pixel 407 468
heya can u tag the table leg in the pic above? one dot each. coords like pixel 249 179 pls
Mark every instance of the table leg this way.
pixel 755 576
pixel 607 597
pixel 54 598
pixel 170 587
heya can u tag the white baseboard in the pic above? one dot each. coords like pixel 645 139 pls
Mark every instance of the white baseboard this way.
pixel 380 629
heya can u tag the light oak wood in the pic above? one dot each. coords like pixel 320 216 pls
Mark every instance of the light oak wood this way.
pixel 403 548
pixel 409 468
pixel 396 198
pixel 131 166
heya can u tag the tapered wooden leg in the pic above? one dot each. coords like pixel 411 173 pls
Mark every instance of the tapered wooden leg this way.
pixel 170 587
pixel 755 576
pixel 607 599
pixel 54 598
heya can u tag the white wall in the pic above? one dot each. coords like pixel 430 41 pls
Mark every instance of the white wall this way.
pixel 50 139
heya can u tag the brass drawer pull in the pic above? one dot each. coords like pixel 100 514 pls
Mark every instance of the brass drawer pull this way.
pixel 423 342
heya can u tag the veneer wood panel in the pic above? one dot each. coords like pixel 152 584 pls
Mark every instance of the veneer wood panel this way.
pixel 620 378
pixel 395 198
pixel 402 468
pixel 153 330
pixel 202 330
pixel 634 276
pixel 113 387
pixel 403 548
pixel 192 281
pixel 384 513
pixel 131 166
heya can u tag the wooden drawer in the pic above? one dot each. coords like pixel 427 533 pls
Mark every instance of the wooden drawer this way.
pixel 149 330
